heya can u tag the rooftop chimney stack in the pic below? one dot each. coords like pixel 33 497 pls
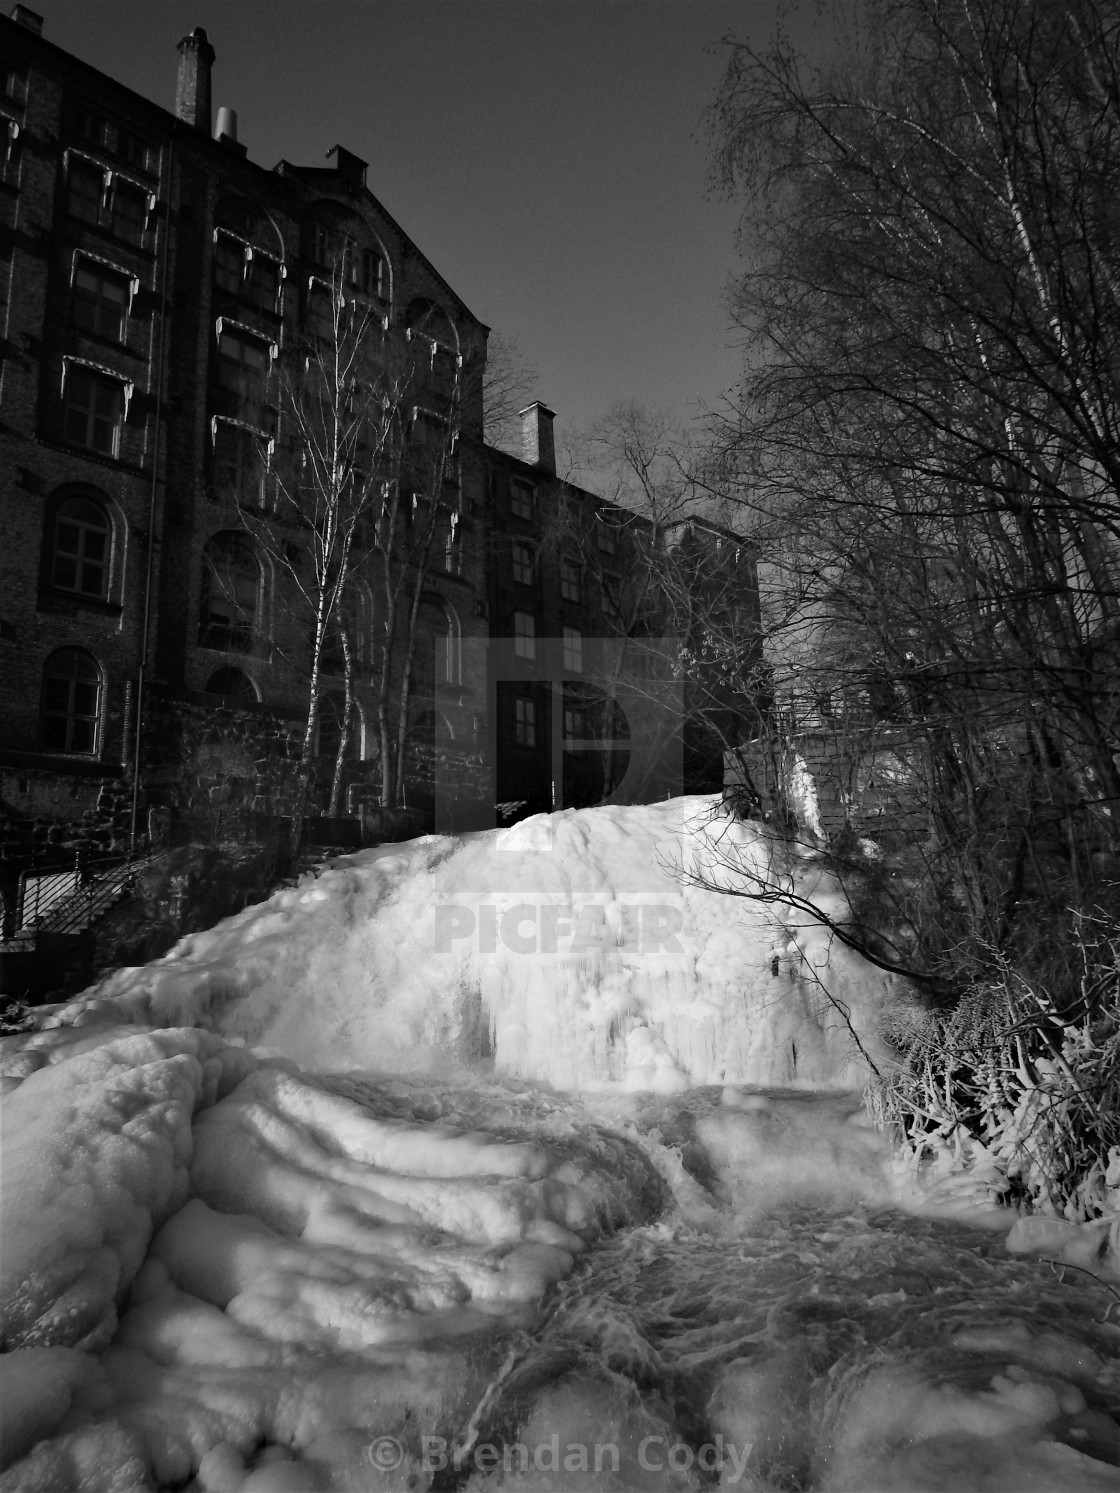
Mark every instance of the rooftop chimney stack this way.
pixel 226 127
pixel 538 446
pixel 22 15
pixel 192 93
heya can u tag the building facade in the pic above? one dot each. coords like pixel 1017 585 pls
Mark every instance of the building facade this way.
pixel 155 281
pixel 162 297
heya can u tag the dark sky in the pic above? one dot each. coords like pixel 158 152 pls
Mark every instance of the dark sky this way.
pixel 548 156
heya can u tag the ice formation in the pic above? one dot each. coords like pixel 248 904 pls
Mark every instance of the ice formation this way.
pixel 572 947
pixel 302 1206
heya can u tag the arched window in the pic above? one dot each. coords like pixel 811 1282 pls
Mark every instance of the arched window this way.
pixel 432 729
pixel 433 658
pixel 231 588
pixel 71 705
pixel 233 683
pixel 80 542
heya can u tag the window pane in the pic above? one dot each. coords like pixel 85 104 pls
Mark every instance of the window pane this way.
pixel 71 702
pixel 524 635
pixel 84 191
pixel 573 649
pixel 81 548
pixel 130 209
pixel 242 366
pixel 56 694
pixel 229 258
pixel 230 591
pixel 81 735
pixel 100 301
pixel 93 410
pixel 262 282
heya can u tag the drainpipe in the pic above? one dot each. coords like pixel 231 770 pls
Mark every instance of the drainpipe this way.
pixel 145 645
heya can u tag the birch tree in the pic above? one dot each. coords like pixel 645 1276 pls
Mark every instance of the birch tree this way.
pixel 363 497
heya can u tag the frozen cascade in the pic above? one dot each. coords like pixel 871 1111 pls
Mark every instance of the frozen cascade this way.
pixel 567 946
pixel 350 1258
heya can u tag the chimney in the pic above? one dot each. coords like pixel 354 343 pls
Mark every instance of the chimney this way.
pixel 349 166
pixel 226 127
pixel 31 19
pixel 538 447
pixel 192 93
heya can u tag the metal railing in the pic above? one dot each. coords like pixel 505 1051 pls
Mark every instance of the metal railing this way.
pixel 70 897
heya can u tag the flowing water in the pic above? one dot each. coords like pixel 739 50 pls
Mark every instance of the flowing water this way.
pixel 780 1323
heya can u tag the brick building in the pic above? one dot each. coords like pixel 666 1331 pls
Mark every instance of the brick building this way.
pixel 153 280
pixel 590 607
pixel 155 285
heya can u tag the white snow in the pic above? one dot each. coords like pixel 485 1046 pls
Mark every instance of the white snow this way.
pixel 568 944
pixel 287 1200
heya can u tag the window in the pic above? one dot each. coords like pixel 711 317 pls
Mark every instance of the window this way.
pixel 445 367
pixel 524 635
pixel 130 212
pixel 523 568
pixel 85 187
pixel 231 583
pixel 92 410
pixel 575 726
pixel 233 683
pixel 137 152
pixel 71 702
pixel 99 301
pixel 606 537
pixel 243 366
pixel 521 500
pixel 323 243
pixel 573 650
pixel 90 125
pixel 367 271
pixel 262 282
pixel 569 580
pixel 229 263
pixel 13 84
pixel 80 548
pixel 239 465
pixel 321 311
pixel 9 142
pixel 525 722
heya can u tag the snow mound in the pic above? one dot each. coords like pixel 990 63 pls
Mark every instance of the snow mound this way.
pixel 294 1267
pixel 574 949
pixel 95 1157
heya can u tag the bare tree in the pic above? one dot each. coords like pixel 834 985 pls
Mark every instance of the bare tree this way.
pixel 676 589
pixel 507 387
pixel 363 494
pixel 927 440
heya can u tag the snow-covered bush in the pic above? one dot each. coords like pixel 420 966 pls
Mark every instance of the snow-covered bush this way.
pixel 1018 1091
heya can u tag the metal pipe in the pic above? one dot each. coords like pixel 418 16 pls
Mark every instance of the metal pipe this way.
pixel 138 704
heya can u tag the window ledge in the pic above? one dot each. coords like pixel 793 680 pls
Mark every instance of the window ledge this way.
pixel 52 600
pixel 83 765
pixel 107 236
pixel 114 463
pixel 109 343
